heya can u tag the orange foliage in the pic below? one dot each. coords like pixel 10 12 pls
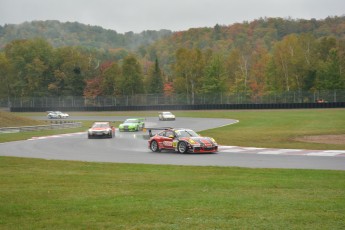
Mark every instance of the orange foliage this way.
pixel 168 89
pixel 92 88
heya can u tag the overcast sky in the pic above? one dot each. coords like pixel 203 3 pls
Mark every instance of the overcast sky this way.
pixel 175 15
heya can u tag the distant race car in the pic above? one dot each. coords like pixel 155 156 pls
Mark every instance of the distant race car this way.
pixel 181 140
pixel 132 124
pixel 101 129
pixel 165 116
pixel 57 114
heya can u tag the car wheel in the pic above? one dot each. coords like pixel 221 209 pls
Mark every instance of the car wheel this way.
pixel 154 146
pixel 89 136
pixel 182 147
pixel 110 135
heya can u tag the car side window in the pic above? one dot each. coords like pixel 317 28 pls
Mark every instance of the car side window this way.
pixel 169 133
pixel 161 134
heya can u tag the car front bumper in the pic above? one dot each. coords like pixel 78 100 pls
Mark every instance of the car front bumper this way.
pixel 212 149
pixel 127 129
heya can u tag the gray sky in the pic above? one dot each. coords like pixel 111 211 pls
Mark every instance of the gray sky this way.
pixel 175 15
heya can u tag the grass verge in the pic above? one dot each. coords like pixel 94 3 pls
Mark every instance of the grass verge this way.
pixel 41 194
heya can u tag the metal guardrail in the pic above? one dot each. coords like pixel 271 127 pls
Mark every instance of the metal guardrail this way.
pixel 40 127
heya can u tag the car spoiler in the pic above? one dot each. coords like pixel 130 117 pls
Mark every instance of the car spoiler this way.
pixel 159 128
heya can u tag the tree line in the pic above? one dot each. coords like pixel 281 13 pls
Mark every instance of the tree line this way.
pixel 262 58
pixel 61 34
pixel 33 68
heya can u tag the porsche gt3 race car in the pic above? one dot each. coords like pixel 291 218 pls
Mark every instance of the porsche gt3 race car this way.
pixel 57 114
pixel 132 124
pixel 165 116
pixel 181 140
pixel 101 129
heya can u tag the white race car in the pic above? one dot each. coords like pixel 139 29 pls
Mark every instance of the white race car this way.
pixel 165 116
pixel 57 115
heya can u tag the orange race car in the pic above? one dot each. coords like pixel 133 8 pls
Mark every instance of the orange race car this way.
pixel 181 140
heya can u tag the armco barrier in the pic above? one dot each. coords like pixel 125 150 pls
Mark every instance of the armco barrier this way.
pixel 62 125
pixel 185 107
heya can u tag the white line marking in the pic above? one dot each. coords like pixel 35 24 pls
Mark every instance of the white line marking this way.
pixel 279 151
pixel 55 136
pixel 233 150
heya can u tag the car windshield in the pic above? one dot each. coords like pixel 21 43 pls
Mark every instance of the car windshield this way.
pixel 100 125
pixel 131 121
pixel 186 133
pixel 167 113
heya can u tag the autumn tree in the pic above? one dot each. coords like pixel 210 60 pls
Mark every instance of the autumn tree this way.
pixel 92 87
pixel 188 70
pixel 290 62
pixel 111 80
pixel 330 75
pixel 106 83
pixel 257 82
pixel 7 86
pixel 214 79
pixel 132 79
pixel 238 70
pixel 72 68
pixel 31 61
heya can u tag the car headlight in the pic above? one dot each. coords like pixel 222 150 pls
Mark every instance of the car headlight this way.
pixel 192 141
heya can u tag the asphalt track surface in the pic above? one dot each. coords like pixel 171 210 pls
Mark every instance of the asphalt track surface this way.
pixel 132 147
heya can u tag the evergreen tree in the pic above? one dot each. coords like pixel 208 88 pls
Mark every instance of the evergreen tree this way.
pixel 156 84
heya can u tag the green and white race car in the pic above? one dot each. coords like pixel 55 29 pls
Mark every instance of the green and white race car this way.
pixel 132 124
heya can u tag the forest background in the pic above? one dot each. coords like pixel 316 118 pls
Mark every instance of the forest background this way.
pixel 257 58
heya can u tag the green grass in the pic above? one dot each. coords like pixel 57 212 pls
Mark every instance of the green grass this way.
pixel 10 120
pixel 41 194
pixel 279 128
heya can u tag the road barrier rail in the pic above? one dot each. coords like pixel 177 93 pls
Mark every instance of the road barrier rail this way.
pixel 55 125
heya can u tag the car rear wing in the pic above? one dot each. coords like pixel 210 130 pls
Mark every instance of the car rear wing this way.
pixel 159 128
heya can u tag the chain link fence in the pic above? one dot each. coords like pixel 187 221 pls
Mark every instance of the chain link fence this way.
pixel 177 99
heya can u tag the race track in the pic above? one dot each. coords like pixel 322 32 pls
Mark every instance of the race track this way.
pixel 132 148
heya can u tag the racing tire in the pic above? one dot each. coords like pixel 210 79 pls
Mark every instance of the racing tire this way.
pixel 182 147
pixel 154 146
pixel 110 135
